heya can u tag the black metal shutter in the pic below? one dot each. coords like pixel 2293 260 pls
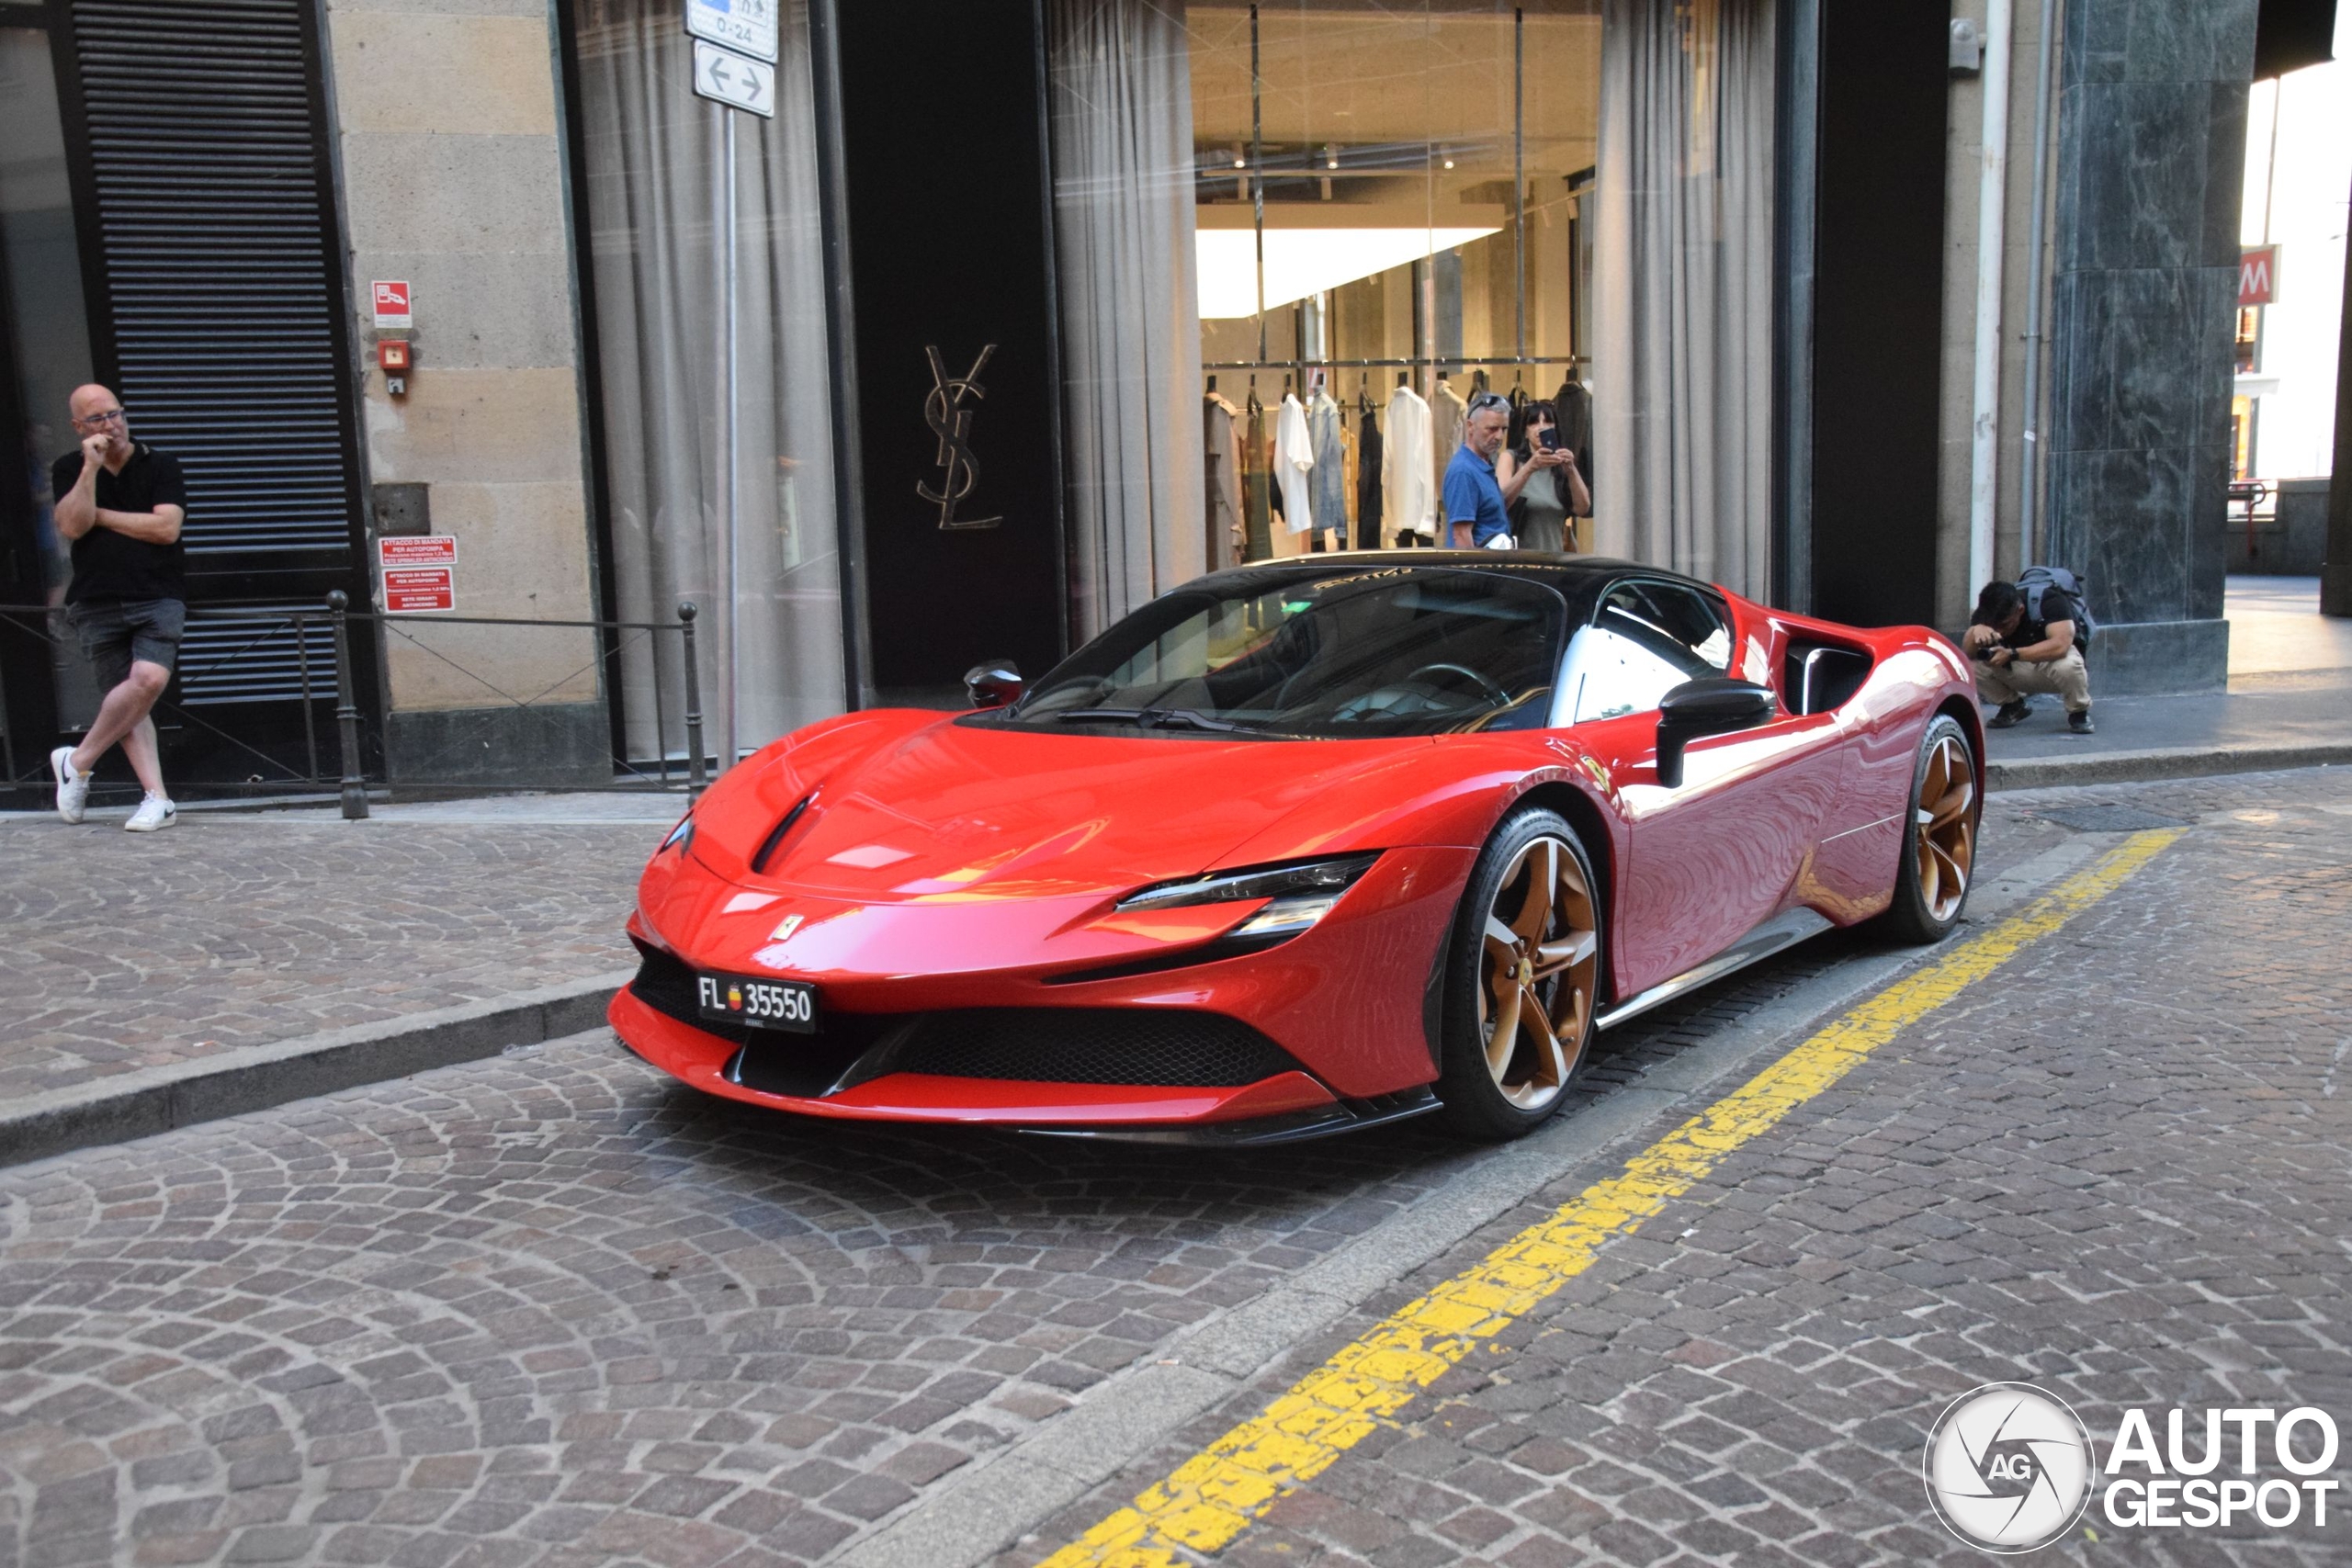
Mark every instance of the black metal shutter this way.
pixel 216 231
pixel 223 305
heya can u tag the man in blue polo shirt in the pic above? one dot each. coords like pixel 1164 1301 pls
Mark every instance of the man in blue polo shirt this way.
pixel 1472 500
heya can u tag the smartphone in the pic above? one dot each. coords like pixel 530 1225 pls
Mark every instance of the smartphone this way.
pixel 1550 438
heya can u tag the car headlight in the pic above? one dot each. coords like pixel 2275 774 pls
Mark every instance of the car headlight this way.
pixel 1301 893
pixel 652 932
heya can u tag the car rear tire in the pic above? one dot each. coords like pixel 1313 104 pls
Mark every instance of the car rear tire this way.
pixel 1938 837
pixel 1522 978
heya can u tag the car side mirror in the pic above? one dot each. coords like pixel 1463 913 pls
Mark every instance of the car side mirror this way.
pixel 1712 705
pixel 993 684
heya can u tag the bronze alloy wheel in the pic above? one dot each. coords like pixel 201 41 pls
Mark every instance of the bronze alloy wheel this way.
pixel 1946 835
pixel 1538 965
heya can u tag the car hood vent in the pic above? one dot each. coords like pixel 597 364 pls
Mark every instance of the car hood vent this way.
pixel 769 845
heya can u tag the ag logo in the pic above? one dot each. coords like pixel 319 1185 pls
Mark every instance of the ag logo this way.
pixel 2008 1468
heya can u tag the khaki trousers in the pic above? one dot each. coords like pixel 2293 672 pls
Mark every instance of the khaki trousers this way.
pixel 2066 675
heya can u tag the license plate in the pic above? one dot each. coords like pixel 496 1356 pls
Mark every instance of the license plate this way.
pixel 757 1004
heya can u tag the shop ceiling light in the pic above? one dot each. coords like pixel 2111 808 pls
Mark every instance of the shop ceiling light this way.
pixel 1307 253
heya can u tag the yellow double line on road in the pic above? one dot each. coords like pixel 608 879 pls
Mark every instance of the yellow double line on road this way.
pixel 1218 1493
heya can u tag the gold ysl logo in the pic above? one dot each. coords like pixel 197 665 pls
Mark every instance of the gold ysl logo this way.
pixel 943 410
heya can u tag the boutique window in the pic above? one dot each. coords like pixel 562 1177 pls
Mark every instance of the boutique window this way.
pixel 1381 210
pixel 1391 215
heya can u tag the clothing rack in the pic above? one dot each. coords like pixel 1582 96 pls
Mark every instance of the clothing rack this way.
pixel 1451 362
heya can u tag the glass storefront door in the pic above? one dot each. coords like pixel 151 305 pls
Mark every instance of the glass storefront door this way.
pixel 768 582
pixel 1394 207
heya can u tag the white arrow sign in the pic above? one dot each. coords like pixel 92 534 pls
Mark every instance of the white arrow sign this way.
pixel 747 26
pixel 730 79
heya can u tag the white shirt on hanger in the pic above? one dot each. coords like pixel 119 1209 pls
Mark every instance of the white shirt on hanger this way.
pixel 1449 415
pixel 1293 456
pixel 1407 482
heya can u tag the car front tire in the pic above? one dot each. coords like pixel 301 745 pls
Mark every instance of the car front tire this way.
pixel 1522 978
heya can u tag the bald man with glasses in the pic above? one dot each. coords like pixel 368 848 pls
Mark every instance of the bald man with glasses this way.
pixel 120 502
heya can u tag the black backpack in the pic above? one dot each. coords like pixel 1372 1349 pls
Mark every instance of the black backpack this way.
pixel 2036 580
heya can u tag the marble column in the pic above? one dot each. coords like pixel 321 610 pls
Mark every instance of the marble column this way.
pixel 2150 152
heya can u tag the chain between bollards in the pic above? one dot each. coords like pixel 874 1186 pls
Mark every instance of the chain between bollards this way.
pixel 694 778
pixel 347 712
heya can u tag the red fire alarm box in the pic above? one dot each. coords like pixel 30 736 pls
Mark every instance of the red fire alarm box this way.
pixel 392 356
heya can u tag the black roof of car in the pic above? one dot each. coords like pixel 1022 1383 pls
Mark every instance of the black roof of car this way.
pixel 1571 574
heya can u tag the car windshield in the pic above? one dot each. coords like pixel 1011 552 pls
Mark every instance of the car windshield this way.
pixel 1381 651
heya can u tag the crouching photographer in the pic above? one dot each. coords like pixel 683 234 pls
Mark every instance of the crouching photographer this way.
pixel 2024 643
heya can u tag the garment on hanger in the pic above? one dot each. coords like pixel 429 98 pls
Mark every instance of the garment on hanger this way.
pixel 1257 471
pixel 1331 487
pixel 1221 457
pixel 1368 497
pixel 1293 460
pixel 1407 474
pixel 1448 414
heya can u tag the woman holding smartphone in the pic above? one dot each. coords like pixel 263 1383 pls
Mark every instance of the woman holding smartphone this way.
pixel 1541 486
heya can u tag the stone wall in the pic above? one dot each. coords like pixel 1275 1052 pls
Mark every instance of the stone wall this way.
pixel 453 178
pixel 2290 542
pixel 2151 133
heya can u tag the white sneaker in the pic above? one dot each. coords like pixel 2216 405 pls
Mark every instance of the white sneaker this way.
pixel 73 788
pixel 155 811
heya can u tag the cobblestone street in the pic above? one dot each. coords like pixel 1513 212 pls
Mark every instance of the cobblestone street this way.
pixel 2120 1172
pixel 553 1309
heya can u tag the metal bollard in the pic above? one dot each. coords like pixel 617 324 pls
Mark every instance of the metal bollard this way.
pixel 347 712
pixel 686 613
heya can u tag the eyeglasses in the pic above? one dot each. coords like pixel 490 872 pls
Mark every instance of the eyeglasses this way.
pixel 105 416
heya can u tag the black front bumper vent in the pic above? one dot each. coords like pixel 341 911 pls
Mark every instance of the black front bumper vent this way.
pixel 1129 1047
pixel 1171 1048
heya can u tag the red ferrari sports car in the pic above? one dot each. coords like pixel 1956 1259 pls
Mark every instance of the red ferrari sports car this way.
pixel 1302 847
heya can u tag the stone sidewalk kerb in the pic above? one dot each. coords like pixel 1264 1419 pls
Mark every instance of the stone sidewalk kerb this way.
pixel 135 958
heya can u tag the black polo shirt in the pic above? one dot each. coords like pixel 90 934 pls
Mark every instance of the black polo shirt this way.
pixel 109 564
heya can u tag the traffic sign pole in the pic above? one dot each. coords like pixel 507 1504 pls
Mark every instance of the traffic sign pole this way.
pixel 734 67
pixel 734 467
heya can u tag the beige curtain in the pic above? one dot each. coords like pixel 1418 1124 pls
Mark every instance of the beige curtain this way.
pixel 1682 280
pixel 654 156
pixel 1131 337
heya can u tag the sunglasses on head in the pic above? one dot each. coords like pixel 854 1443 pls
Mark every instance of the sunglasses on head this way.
pixel 1488 401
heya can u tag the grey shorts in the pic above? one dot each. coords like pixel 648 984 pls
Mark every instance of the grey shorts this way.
pixel 117 631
